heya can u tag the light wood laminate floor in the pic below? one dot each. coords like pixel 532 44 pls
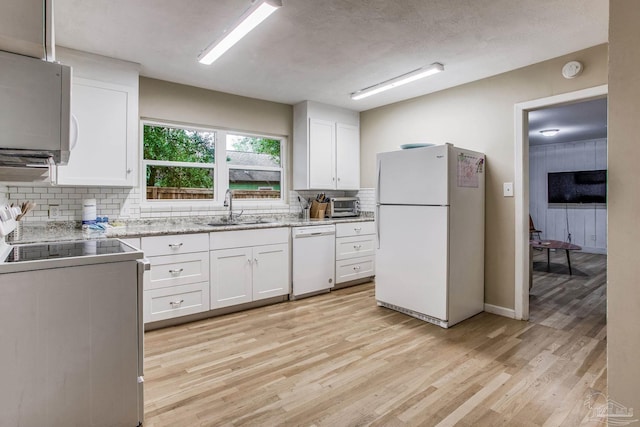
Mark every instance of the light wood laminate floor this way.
pixel 339 360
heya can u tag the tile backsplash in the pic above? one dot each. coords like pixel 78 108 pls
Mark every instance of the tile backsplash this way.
pixel 125 203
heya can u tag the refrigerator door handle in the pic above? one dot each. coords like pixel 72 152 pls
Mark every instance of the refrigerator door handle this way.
pixel 377 219
pixel 377 215
pixel 378 182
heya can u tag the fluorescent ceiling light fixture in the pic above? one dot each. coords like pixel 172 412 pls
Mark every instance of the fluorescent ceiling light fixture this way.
pixel 550 132
pixel 409 77
pixel 257 13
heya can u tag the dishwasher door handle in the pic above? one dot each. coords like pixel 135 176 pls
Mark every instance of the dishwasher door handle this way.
pixel 320 233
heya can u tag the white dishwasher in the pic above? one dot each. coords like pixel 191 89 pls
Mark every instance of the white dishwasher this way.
pixel 314 259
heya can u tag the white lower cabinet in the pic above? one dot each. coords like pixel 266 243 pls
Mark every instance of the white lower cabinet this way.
pixel 257 270
pixel 175 301
pixel 270 271
pixel 178 282
pixel 231 277
pixel 355 251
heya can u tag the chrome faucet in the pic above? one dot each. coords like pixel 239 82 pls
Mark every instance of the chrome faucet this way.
pixel 228 202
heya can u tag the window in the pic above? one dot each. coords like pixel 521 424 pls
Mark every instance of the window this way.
pixel 255 167
pixel 179 163
pixel 182 163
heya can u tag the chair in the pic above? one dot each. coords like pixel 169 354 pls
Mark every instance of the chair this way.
pixel 533 230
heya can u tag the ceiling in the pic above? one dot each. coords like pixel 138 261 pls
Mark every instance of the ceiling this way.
pixel 325 50
pixel 579 121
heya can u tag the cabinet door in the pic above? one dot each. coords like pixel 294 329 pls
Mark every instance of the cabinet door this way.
pixel 105 150
pixel 322 139
pixel 230 277
pixel 347 156
pixel 270 271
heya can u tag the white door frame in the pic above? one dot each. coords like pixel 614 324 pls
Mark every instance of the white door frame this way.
pixel 521 192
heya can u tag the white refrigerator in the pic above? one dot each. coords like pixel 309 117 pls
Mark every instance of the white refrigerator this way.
pixel 430 230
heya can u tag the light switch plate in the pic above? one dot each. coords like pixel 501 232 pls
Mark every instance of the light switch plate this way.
pixel 507 189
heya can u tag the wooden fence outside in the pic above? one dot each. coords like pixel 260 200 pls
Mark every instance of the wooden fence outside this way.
pixel 177 193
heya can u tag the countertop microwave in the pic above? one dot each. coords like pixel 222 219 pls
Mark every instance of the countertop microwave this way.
pixel 344 206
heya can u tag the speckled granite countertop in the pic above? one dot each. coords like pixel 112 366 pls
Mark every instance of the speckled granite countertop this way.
pixel 68 231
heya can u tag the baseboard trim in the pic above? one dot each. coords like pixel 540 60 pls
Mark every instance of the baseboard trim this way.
pixel 500 311
pixel 590 250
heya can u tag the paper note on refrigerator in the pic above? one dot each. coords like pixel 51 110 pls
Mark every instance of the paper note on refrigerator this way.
pixel 469 167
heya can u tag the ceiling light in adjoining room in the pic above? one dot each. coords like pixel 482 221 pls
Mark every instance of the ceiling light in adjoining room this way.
pixel 550 132
pixel 257 13
pixel 409 77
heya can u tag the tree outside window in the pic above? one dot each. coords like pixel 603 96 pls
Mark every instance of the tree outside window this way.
pixel 179 163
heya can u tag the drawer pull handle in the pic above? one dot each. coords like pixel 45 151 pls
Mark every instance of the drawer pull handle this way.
pixel 176 304
pixel 357 229
pixel 175 245
pixel 357 246
pixel 176 270
pixel 357 267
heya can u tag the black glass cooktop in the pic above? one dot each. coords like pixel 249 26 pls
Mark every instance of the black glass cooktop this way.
pixel 66 250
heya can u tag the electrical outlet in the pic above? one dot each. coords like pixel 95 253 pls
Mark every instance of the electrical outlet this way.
pixel 54 211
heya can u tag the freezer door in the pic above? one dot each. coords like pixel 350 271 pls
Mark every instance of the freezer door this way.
pixel 412 261
pixel 413 177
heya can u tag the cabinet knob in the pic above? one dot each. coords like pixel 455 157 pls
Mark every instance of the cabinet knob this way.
pixel 176 304
pixel 176 271
pixel 357 246
pixel 357 229
pixel 356 268
pixel 175 245
pixel 129 170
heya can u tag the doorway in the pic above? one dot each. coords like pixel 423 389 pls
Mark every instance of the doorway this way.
pixel 567 206
pixel 522 196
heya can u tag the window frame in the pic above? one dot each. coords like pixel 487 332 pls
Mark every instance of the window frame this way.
pixel 220 169
pixel 280 169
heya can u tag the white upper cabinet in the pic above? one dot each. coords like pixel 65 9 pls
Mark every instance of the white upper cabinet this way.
pixel 326 147
pixel 347 156
pixel 322 156
pixel 32 33
pixel 104 102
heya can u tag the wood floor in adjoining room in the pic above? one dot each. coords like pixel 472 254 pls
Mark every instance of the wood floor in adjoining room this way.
pixel 340 360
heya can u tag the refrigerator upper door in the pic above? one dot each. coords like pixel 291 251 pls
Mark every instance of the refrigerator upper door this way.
pixel 417 176
pixel 412 261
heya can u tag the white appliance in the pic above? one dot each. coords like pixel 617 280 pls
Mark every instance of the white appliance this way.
pixel 72 334
pixel 430 229
pixel 314 259
pixel 35 123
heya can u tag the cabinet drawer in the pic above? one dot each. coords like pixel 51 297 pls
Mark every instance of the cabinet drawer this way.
pixel 355 268
pixel 354 247
pixel 355 229
pixel 171 270
pixel 245 238
pixel 161 304
pixel 175 244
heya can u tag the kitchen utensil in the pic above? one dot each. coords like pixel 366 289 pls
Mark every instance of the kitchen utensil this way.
pixel 25 208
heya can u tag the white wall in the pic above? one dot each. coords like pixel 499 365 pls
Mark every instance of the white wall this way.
pixel 587 223
pixel 480 116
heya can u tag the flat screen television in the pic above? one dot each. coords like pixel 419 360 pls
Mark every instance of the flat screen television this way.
pixel 577 187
